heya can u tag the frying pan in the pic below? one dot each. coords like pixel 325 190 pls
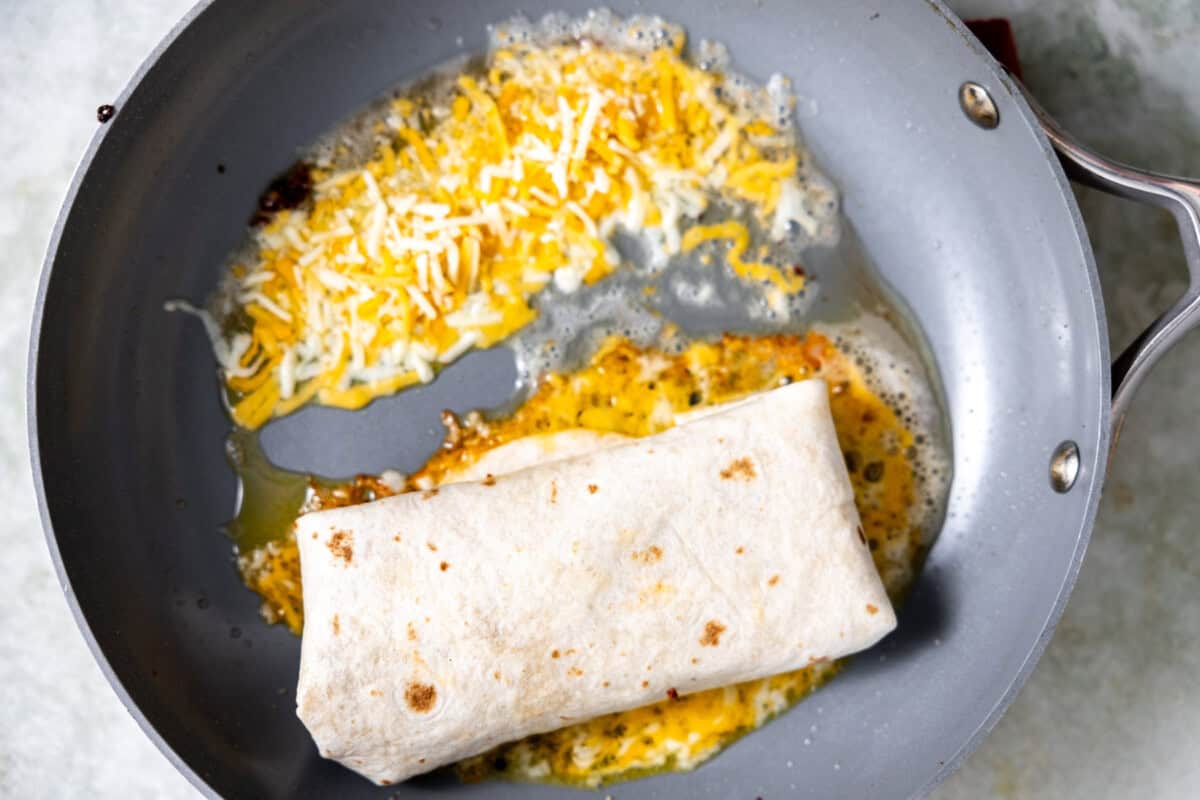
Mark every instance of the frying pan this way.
pixel 971 224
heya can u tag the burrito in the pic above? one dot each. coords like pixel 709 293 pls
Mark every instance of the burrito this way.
pixel 441 623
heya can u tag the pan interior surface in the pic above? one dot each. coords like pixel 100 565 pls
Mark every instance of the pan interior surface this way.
pixel 973 229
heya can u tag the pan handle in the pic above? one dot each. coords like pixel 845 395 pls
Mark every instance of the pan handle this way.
pixel 1180 196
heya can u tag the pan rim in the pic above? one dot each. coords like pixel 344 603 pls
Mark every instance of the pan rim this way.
pixel 31 402
pixel 1094 465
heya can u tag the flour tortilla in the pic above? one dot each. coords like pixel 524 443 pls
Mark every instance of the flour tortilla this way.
pixel 535 450
pixel 440 624
pixel 546 448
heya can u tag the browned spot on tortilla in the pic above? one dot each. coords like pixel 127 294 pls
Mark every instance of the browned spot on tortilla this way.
pixel 341 545
pixel 431 546
pixel 337 625
pixel 740 469
pixel 554 654
pixel 575 672
pixel 314 534
pixel 712 633
pixel 649 555
pixel 496 675
pixel 553 492
pixel 376 693
pixel 645 684
pixel 428 494
pixel 695 661
pixel 412 633
pixel 740 550
pixel 385 783
pixel 817 659
pixel 396 538
pixel 593 488
pixel 445 566
pixel 862 537
pixel 489 480
pixel 872 609
pixel 673 693
pixel 774 580
pixel 605 684
pixel 420 761
pixel 420 697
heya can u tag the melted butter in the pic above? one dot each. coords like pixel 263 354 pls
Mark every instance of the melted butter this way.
pixel 268 497
pixel 637 391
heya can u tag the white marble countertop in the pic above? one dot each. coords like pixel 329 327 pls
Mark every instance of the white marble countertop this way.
pixel 1113 709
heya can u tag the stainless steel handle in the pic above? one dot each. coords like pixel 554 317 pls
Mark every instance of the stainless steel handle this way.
pixel 1180 196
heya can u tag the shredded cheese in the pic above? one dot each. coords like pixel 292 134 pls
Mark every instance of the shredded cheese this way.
pixel 475 204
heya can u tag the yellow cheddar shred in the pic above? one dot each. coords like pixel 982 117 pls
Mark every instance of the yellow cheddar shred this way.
pixel 739 239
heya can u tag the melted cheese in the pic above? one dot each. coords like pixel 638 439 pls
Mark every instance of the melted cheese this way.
pixel 636 392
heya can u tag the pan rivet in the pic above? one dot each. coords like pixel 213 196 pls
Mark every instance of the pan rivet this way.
pixel 978 105
pixel 1064 467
